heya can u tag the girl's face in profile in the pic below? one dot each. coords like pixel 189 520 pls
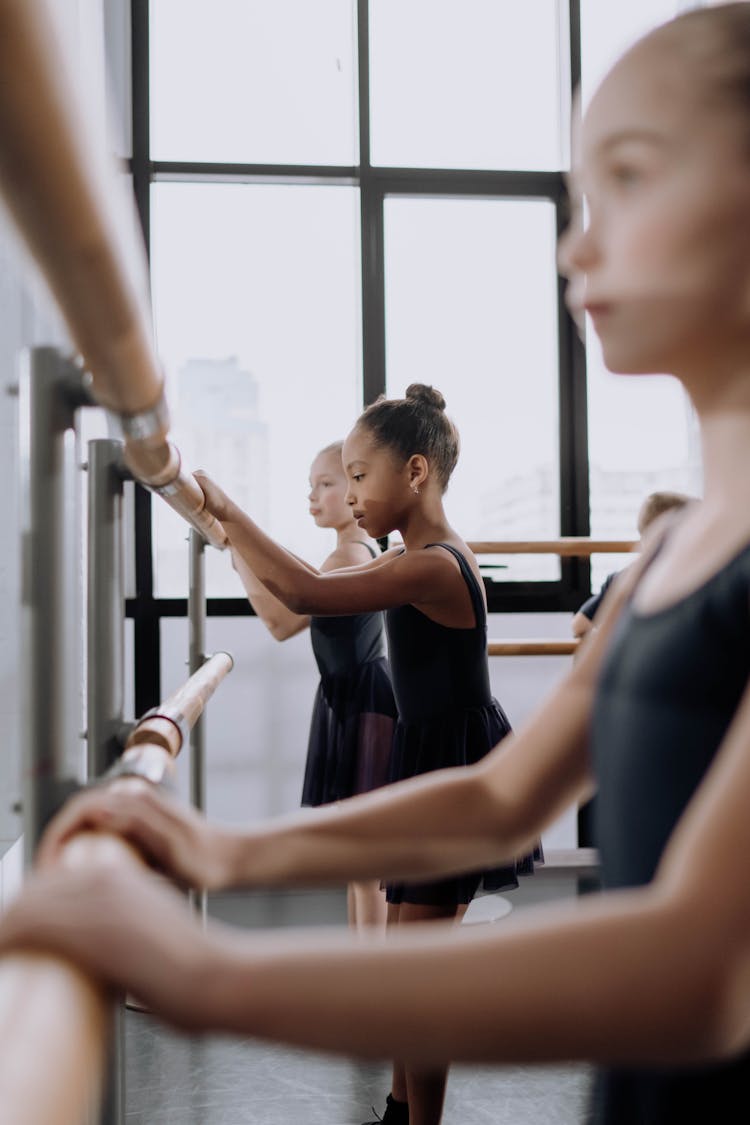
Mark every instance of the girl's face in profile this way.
pixel 663 263
pixel 327 494
pixel 378 486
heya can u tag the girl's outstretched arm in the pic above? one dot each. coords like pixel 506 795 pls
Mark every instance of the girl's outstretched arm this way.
pixel 390 580
pixel 444 822
pixel 281 622
pixel 659 974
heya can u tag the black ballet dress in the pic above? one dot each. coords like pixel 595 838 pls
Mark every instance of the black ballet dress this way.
pixel 447 717
pixel 669 689
pixel 354 713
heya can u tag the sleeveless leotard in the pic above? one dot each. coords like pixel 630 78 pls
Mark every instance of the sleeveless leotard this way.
pixel 354 713
pixel 447 717
pixel 669 689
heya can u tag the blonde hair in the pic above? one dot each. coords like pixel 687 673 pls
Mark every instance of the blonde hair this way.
pixel 715 42
pixel 656 503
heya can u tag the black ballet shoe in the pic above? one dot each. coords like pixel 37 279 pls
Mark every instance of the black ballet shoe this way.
pixel 396 1113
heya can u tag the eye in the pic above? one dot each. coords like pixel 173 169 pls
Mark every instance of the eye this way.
pixel 625 175
pixel 357 477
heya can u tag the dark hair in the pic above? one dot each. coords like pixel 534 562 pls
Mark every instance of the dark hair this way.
pixel 416 423
pixel 716 41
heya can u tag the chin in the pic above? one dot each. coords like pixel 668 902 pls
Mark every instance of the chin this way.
pixel 625 361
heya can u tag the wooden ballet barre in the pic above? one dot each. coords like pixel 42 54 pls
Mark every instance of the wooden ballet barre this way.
pixel 51 1011
pixel 536 647
pixel 571 546
pixel 70 208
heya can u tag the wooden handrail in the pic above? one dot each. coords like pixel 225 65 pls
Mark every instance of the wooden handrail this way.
pixel 570 546
pixel 534 647
pixel 166 725
pixel 70 208
pixel 51 1011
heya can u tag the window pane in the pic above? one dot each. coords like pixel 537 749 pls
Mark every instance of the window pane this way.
pixel 254 82
pixel 256 295
pixel 471 308
pixel 468 83
pixel 643 438
pixel 608 30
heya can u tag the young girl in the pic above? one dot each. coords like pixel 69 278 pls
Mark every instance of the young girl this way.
pixel 354 713
pixel 651 978
pixel 399 459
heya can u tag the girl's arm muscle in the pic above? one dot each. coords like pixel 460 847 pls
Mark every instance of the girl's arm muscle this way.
pixel 427 827
pixel 659 974
pixel 391 580
pixel 281 622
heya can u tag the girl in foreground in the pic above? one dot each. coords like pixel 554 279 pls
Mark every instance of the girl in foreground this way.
pixel 354 714
pixel 652 978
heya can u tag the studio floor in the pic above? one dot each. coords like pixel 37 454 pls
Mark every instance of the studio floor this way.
pixel 175 1080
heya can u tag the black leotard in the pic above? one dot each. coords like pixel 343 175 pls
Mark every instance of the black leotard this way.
pixel 447 717
pixel 354 713
pixel 669 689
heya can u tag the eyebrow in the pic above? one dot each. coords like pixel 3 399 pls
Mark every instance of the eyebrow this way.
pixel 642 135
pixel 353 463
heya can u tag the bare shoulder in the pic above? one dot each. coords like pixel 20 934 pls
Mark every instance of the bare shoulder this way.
pixel 355 554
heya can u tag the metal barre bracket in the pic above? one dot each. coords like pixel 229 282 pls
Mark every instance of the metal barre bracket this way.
pixel 177 720
pixel 146 424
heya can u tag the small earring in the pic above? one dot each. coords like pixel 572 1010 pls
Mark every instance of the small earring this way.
pixel 415 490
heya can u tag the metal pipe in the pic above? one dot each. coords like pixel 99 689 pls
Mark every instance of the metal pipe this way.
pixel 50 389
pixel 196 659
pixel 169 724
pixel 106 606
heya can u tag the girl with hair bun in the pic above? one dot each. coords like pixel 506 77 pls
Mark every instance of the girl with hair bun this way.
pixel 399 459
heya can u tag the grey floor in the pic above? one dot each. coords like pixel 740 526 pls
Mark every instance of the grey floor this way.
pixel 175 1080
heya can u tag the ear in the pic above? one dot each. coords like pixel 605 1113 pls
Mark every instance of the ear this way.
pixel 418 471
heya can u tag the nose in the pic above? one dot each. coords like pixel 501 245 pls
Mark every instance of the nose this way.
pixel 349 498
pixel 576 249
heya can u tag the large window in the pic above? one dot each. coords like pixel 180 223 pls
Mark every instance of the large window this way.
pixel 254 81
pixel 256 298
pixel 344 196
pixel 469 83
pixel 471 306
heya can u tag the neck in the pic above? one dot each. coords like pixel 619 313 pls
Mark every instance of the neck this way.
pixel 350 533
pixel 723 408
pixel 425 523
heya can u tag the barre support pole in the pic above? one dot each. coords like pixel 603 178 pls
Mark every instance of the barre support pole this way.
pixel 106 606
pixel 196 658
pixel 51 388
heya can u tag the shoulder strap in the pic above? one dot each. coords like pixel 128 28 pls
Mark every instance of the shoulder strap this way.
pixel 370 548
pixel 470 578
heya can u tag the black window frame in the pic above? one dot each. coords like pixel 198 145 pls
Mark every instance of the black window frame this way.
pixel 375 184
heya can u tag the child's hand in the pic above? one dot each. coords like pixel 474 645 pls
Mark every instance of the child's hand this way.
pixel 170 835
pixel 121 924
pixel 217 501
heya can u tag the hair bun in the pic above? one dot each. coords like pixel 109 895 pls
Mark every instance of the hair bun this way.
pixel 426 396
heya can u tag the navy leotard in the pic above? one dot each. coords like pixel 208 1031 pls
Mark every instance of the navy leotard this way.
pixel 669 688
pixel 354 713
pixel 447 717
